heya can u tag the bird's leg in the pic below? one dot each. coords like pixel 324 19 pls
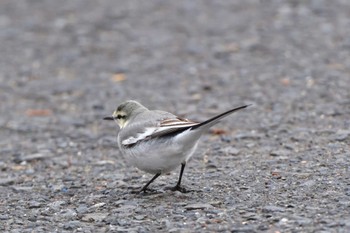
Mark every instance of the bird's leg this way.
pixel 144 189
pixel 178 187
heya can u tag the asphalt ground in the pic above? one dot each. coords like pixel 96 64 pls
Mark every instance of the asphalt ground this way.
pixel 281 165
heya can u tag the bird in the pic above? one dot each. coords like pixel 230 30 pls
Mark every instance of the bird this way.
pixel 158 142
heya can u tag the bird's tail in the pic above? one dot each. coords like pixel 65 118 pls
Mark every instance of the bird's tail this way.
pixel 212 121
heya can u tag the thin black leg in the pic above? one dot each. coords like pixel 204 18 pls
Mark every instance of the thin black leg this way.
pixel 181 173
pixel 178 185
pixel 144 189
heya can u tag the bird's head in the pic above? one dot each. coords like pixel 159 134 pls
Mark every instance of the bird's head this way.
pixel 125 112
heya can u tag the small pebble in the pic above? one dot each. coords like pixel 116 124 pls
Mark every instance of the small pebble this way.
pixel 198 206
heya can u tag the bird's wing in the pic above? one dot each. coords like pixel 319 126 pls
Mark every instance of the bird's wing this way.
pixel 164 127
pixel 177 122
pixel 172 126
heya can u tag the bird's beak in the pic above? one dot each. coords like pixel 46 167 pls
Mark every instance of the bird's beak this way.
pixel 109 118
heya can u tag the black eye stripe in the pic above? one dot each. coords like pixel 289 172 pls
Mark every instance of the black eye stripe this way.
pixel 121 117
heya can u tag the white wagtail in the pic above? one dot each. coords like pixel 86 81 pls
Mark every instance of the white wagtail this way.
pixel 156 141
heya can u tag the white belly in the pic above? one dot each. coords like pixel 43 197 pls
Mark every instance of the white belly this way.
pixel 158 156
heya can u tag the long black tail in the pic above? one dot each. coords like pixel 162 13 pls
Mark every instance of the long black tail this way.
pixel 215 119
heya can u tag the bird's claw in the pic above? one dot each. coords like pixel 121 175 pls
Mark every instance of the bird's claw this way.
pixel 179 188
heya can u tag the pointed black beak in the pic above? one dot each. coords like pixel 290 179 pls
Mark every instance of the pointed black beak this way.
pixel 109 118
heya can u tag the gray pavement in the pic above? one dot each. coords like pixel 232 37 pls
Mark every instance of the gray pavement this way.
pixel 281 165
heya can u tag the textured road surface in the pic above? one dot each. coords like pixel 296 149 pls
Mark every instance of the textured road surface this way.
pixel 282 165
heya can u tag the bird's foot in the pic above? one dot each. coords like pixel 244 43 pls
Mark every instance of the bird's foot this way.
pixel 144 191
pixel 179 188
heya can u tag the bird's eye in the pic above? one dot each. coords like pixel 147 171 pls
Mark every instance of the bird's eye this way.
pixel 121 117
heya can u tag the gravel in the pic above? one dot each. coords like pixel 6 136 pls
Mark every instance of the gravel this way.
pixel 281 165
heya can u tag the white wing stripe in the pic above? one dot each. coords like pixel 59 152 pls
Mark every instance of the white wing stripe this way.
pixel 177 125
pixel 177 122
pixel 139 136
